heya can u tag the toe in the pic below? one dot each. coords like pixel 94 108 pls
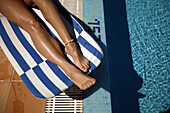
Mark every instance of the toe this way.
pixel 81 67
pixel 86 62
pixel 93 81
pixel 85 66
pixel 84 69
pixel 88 84
pixel 84 87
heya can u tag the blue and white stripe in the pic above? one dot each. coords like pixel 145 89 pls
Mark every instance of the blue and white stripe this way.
pixel 89 47
pixel 43 78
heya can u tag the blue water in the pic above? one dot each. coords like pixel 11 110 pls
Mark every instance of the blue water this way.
pixel 138 39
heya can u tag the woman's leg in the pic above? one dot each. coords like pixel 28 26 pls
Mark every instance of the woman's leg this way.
pixel 51 14
pixel 18 12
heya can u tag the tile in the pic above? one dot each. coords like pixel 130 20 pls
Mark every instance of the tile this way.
pixel 99 100
pixel 5 67
pixel 74 6
pixel 20 100
pixel 16 77
pixel 4 89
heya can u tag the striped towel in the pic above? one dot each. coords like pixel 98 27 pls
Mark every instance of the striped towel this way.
pixel 43 78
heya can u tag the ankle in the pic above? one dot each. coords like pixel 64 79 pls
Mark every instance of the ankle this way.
pixel 70 47
pixel 72 70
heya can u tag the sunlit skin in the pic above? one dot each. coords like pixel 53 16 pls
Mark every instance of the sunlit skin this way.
pixel 18 12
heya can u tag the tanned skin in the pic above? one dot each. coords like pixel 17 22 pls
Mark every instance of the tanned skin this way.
pixel 18 12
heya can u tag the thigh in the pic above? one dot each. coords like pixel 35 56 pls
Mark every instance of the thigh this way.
pixel 18 12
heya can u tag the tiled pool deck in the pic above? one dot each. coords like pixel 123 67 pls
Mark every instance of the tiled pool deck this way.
pixel 99 101
pixel 14 96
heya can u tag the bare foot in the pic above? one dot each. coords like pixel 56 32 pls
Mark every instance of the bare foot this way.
pixel 79 60
pixel 80 79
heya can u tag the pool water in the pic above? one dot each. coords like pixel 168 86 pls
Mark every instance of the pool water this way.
pixel 149 28
pixel 138 36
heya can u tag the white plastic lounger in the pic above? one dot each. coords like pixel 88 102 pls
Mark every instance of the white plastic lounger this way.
pixel 43 78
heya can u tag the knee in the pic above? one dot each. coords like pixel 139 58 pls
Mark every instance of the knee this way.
pixel 33 25
pixel 29 3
